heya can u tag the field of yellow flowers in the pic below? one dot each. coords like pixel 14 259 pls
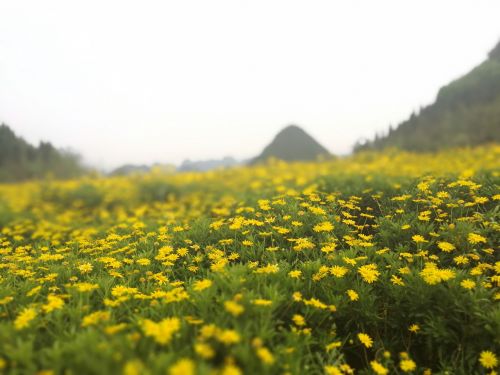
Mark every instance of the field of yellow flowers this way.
pixel 371 264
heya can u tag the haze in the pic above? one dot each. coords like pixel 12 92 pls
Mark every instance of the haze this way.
pixel 162 81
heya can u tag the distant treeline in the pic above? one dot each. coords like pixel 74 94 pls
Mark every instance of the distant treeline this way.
pixel 466 113
pixel 21 161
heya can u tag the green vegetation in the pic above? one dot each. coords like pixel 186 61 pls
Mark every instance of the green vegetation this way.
pixel 21 161
pixel 380 263
pixel 466 113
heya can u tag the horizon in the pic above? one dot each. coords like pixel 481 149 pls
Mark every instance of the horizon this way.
pixel 116 97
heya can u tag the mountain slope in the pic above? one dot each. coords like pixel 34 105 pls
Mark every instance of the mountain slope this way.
pixel 292 144
pixel 466 113
pixel 129 169
pixel 21 161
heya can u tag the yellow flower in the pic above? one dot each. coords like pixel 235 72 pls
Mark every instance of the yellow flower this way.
pixel 113 329
pixel 488 359
pixel 24 318
pixel 85 287
pixel 446 246
pixel 229 336
pixel 378 368
pixel 333 345
pixel 325 226
pixel 301 244
pixel 317 211
pixel 369 273
pixel 332 370
pixel 299 320
pixel 475 238
pixel 328 248
pixel 34 291
pixel 264 204
pixel 315 303
pixel 265 355
pixel 407 365
pixel 85 268
pixel 433 275
pixel 143 262
pixel 417 238
pixel 297 296
pixel 95 318
pixel 53 303
pixel 133 367
pixel 365 340
pixel 468 284
pixel 461 259
pixel 202 285
pixel 295 274
pixel 163 331
pixel 204 350
pixel 423 185
pixel 269 269
pixel 230 369
pixel 121 290
pixel 6 300
pixel 424 216
pixel 183 366
pixel 338 271
pixel 233 308
pixel 396 280
pixel 262 302
pixel 352 295
pixel 414 328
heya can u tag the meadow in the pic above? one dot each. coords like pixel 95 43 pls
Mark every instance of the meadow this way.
pixel 377 263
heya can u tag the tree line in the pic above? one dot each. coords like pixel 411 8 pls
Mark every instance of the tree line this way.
pixel 466 113
pixel 20 160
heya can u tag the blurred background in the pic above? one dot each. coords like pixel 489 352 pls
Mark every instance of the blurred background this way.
pixel 120 87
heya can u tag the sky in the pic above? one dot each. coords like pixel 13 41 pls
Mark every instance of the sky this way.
pixel 163 81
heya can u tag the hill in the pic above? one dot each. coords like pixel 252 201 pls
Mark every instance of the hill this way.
pixel 129 169
pixel 466 113
pixel 292 144
pixel 20 160
pixel 207 165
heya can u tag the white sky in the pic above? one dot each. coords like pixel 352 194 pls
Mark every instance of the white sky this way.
pixel 161 81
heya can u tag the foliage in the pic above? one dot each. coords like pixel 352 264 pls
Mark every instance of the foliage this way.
pixel 377 263
pixel 21 161
pixel 466 113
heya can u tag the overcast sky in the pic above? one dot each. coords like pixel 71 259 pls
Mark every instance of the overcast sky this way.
pixel 161 81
